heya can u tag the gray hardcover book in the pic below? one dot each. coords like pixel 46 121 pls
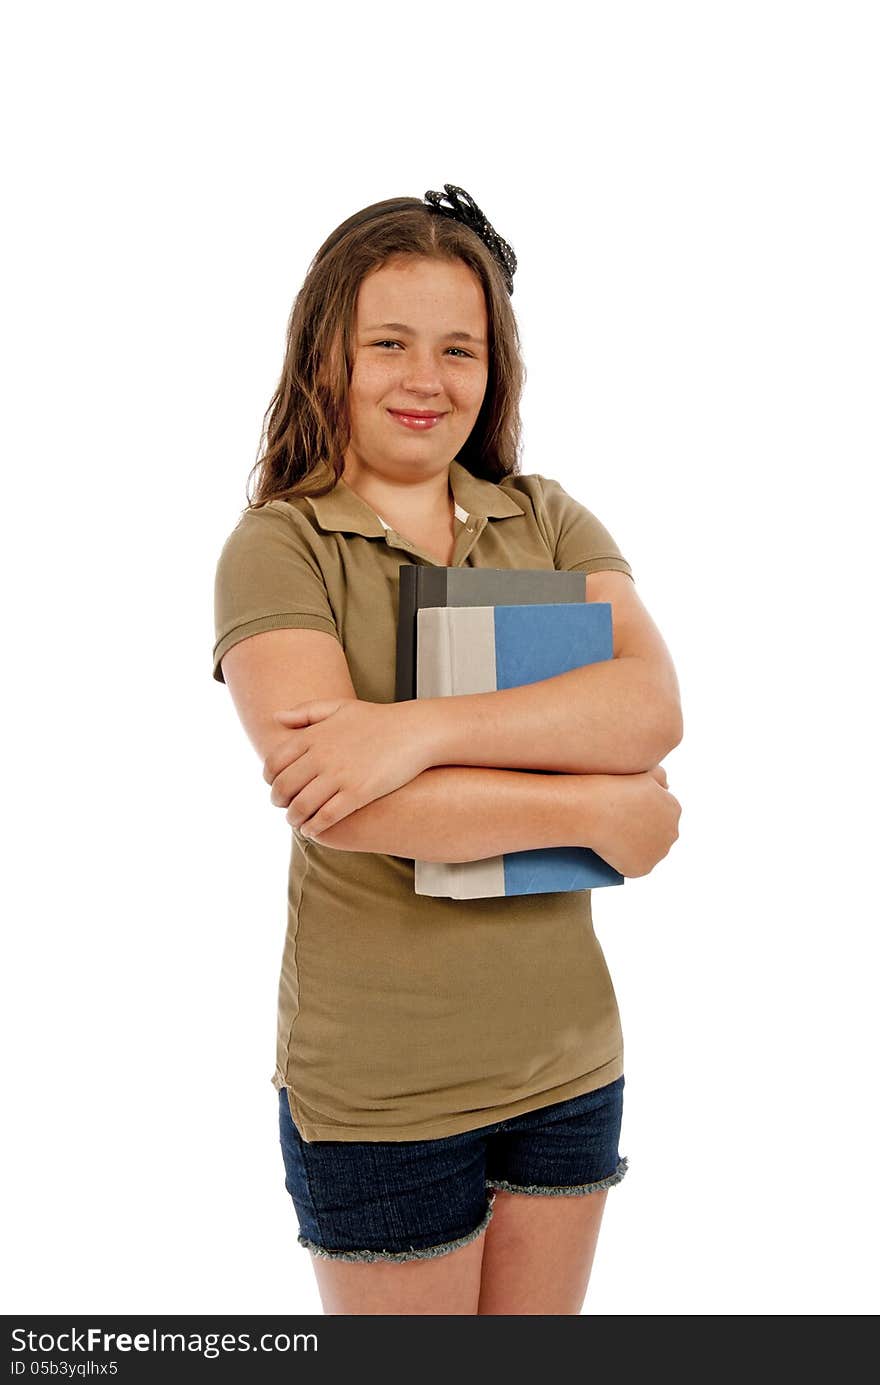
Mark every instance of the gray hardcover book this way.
pixel 422 585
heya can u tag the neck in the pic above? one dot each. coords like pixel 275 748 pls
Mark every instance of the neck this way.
pixel 414 500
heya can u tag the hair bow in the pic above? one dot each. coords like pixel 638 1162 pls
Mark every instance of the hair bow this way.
pixel 463 208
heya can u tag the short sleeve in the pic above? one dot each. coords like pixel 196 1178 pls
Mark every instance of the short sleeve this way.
pixel 580 541
pixel 267 577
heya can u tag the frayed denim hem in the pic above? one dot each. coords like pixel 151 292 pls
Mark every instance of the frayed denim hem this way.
pixel 562 1191
pixel 400 1255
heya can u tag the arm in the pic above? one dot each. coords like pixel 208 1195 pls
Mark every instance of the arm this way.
pixel 495 811
pixel 627 819
pixel 452 813
pixel 455 814
pixel 621 716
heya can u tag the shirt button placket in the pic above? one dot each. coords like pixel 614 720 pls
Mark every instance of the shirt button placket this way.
pixel 473 529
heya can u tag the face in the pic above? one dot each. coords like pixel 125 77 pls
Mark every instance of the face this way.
pixel 433 359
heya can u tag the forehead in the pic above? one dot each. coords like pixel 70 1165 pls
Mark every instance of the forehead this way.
pixel 421 292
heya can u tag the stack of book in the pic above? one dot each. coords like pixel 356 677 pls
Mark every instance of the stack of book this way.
pixel 474 630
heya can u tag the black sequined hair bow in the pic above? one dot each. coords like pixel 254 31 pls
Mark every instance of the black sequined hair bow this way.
pixel 463 208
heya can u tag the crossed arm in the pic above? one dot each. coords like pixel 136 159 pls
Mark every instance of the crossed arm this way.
pixel 617 717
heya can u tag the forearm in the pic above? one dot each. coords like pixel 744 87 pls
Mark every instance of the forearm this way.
pixel 463 813
pixel 603 718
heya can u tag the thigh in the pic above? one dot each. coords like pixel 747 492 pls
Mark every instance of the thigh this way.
pixel 390 1224
pixel 538 1254
pixel 551 1170
pixel 443 1285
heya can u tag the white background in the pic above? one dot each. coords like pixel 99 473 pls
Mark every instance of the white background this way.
pixel 691 190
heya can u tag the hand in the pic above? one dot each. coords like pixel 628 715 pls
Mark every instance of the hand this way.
pixel 634 819
pixel 346 754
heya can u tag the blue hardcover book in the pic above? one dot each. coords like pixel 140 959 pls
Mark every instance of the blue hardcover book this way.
pixel 422 585
pixel 474 649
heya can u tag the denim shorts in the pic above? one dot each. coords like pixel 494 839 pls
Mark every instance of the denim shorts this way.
pixel 411 1199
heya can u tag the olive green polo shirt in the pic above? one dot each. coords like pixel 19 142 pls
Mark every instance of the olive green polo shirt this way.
pixel 405 1016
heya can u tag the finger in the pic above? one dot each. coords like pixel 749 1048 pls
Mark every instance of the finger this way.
pixel 285 788
pixel 304 797
pixel 314 825
pixel 280 759
pixel 303 710
pixel 306 801
pixel 327 816
pixel 304 713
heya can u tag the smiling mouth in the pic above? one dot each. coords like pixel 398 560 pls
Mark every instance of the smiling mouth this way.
pixel 418 413
pixel 418 421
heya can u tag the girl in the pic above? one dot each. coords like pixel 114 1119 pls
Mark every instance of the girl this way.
pixel 449 1072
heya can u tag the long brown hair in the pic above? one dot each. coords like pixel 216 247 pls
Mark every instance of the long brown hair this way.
pixel 306 427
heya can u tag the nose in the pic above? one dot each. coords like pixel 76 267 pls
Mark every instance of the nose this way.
pixel 421 373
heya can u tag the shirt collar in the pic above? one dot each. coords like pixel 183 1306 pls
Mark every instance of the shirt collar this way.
pixel 343 509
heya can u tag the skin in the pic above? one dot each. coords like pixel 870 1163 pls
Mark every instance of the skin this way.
pixel 536 1253
pixel 404 475
pixel 533 1259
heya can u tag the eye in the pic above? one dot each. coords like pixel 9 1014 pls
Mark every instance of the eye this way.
pixel 465 354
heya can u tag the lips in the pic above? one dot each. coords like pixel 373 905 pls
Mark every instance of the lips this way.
pixel 417 422
pixel 415 413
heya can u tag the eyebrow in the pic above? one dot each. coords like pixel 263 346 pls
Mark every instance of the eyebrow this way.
pixel 402 327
